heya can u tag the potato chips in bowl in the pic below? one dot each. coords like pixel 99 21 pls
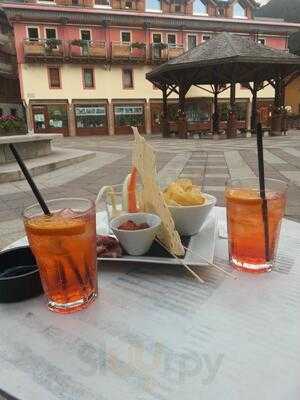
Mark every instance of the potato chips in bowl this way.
pixel 188 205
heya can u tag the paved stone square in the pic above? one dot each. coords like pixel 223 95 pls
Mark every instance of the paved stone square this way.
pixel 208 163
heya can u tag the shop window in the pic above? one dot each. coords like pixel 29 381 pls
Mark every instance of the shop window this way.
pixel 223 111
pixel 88 78
pixel 90 116
pixel 129 115
pixel 171 37
pixel 153 5
pixel 198 111
pixel 33 33
pixel 102 3
pixel 199 7
pixel 127 78
pixel 241 111
pixel 126 37
pixel 57 116
pixel 239 11
pixel 54 77
pixel 192 41
pixel 13 112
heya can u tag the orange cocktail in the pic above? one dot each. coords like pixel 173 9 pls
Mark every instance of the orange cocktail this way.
pixel 252 241
pixel 64 245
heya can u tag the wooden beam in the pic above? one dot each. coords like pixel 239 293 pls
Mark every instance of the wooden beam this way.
pixel 254 107
pixel 216 115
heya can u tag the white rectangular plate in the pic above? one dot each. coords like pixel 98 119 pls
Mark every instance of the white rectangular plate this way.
pixel 201 246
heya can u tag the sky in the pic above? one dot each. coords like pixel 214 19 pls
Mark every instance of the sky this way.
pixel 262 1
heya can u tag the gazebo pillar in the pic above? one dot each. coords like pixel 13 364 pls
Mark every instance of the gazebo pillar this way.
pixel 181 120
pixel 254 107
pixel 216 115
pixel 164 116
pixel 231 129
pixel 277 122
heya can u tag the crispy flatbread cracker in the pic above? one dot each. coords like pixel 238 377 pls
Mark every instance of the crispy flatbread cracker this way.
pixel 152 197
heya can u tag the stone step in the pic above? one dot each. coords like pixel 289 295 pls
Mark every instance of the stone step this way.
pixel 57 159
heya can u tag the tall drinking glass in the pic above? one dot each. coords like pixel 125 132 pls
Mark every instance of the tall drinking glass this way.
pixel 64 245
pixel 248 229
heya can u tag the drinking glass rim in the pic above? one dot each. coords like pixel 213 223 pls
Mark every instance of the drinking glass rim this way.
pixel 82 213
pixel 256 178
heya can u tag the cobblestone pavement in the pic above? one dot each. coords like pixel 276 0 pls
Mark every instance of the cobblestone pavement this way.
pixel 206 162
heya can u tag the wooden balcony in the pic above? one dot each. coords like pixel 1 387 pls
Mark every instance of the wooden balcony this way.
pixel 134 52
pixel 87 51
pixel 174 52
pixel 160 52
pixel 43 50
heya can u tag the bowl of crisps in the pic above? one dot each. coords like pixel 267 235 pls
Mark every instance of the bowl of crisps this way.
pixel 188 205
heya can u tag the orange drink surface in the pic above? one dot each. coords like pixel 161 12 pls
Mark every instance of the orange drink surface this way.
pixel 246 230
pixel 64 245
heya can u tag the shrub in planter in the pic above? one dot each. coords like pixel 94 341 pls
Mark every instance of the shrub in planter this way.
pixel 10 125
pixel 52 44
pixel 84 44
pixel 160 46
pixel 138 45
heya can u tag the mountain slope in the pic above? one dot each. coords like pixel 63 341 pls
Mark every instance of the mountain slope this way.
pixel 289 10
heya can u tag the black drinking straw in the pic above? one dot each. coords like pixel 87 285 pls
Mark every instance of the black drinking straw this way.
pixel 30 181
pixel 262 187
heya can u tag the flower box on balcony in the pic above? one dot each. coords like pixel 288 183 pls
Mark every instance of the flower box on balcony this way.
pixel 116 4
pixel 34 48
pixel 120 51
pixel 63 2
pixel 98 51
pixel 138 53
pixel 88 3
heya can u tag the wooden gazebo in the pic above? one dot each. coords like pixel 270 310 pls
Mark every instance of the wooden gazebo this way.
pixel 222 62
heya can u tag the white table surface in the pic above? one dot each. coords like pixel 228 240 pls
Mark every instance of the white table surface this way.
pixel 156 334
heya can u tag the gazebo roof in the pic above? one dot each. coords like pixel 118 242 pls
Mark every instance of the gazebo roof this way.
pixel 224 59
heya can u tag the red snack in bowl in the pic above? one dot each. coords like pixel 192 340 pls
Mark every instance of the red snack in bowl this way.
pixel 132 226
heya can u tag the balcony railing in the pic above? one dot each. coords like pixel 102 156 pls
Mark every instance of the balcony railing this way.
pixel 135 52
pixel 43 48
pixel 161 52
pixel 83 51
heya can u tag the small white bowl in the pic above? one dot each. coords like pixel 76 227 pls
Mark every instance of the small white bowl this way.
pixel 190 219
pixel 136 243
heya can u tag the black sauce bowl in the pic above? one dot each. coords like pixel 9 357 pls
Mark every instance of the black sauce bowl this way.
pixel 19 275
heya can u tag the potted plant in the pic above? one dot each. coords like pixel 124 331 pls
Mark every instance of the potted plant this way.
pixel 10 125
pixel 52 44
pixel 83 44
pixel 138 49
pixel 33 47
